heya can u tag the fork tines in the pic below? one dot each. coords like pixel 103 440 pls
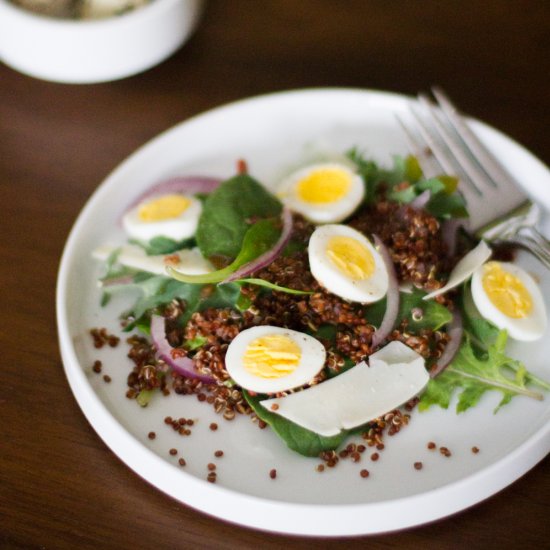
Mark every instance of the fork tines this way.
pixel 444 143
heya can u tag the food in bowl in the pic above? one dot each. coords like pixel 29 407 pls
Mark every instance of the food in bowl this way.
pixel 319 322
pixel 80 9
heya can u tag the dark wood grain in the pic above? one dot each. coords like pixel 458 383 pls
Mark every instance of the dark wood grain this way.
pixel 60 487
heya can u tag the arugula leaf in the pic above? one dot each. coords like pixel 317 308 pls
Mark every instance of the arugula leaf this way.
pixel 227 213
pixel 195 343
pixel 433 315
pixel 404 195
pixel 444 201
pixel 259 238
pixel 473 376
pixel 114 270
pixel 156 291
pixel 404 169
pixel 163 245
pixel 483 333
pixel 300 440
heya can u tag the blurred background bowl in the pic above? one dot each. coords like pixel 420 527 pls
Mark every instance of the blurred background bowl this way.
pixel 79 51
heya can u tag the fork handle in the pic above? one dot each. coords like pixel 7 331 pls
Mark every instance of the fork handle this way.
pixel 536 243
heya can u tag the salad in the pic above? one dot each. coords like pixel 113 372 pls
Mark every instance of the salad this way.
pixel 321 308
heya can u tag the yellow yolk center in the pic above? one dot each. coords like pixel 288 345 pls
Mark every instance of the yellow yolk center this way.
pixel 507 293
pixel 351 257
pixel 272 356
pixel 163 208
pixel 324 186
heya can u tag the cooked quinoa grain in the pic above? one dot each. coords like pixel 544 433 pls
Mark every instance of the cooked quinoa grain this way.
pixel 419 255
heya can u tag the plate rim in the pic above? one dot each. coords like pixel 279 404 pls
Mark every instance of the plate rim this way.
pixel 285 517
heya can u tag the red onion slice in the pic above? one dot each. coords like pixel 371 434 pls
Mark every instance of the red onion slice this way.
pixel 182 365
pixel 449 234
pixel 455 332
pixel 421 200
pixel 190 185
pixel 267 257
pixel 392 297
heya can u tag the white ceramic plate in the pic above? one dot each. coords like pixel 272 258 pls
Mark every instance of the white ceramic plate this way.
pixel 274 133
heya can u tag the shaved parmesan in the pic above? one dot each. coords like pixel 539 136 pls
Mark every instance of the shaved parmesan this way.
pixel 394 375
pixel 464 269
pixel 188 260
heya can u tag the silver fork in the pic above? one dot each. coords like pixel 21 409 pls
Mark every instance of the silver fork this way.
pixel 443 142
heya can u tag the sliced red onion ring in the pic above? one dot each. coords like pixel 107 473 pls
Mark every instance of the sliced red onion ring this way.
pixel 182 365
pixel 267 257
pixel 449 234
pixel 392 297
pixel 189 185
pixel 455 332
pixel 422 200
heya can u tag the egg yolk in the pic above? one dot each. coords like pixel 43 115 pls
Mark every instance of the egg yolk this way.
pixel 506 291
pixel 351 257
pixel 324 186
pixel 272 356
pixel 163 208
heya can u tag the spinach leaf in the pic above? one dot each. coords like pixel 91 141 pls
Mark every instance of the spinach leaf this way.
pixel 472 376
pixel 271 286
pixel 443 205
pixel 222 296
pixel 227 213
pixel 301 440
pixel 160 290
pixel 419 313
pixel 482 333
pixel 259 238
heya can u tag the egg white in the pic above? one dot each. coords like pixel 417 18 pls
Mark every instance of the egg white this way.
pixel 182 227
pixel 329 276
pixel 526 329
pixel 312 360
pixel 322 212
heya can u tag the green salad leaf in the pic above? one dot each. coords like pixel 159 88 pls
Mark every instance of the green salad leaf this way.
pixel 163 245
pixel 420 314
pixel 228 212
pixel 483 334
pixel 156 291
pixel 195 343
pixel 403 169
pixel 271 286
pixel 472 376
pixel 259 238
pixel 405 181
pixel 300 440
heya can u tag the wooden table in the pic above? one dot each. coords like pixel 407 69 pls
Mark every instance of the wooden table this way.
pixel 60 486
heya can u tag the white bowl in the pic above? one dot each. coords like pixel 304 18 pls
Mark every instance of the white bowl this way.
pixel 85 51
